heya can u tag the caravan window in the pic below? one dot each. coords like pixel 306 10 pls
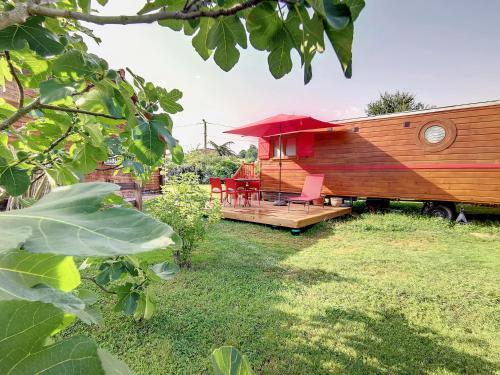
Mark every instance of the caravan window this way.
pixel 276 148
pixel 434 134
pixel 291 146
pixel 288 147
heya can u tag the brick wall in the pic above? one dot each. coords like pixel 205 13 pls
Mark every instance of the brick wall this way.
pixel 105 174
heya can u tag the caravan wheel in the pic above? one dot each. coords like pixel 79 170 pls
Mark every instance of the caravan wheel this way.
pixel 442 211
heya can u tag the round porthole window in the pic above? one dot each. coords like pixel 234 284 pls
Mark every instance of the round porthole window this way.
pixel 434 134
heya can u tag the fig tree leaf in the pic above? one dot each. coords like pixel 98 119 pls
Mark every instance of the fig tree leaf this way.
pixel 279 60
pixel 12 237
pixel 200 39
pixel 147 144
pixel 165 270
pixel 221 39
pixel 356 6
pixel 70 220
pixel 341 41
pixel 13 179
pixel 262 24
pixel 338 15
pixel 53 90
pixel 227 360
pixel 42 277
pixel 39 39
pixel 168 100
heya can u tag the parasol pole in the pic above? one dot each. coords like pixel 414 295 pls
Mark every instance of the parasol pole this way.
pixel 279 201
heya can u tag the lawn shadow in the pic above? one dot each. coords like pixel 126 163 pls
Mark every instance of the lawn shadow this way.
pixel 380 343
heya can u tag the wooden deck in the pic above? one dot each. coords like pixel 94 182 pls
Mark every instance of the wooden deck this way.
pixel 279 216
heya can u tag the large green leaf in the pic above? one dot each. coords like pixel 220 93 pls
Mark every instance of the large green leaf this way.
pixel 71 221
pixel 5 74
pixel 42 277
pixel 53 90
pixel 356 6
pixel 36 68
pixel 227 360
pixel 341 41
pixel 147 144
pixel 87 157
pixel 75 65
pixel 12 237
pixel 100 99
pixel 222 39
pixel 30 269
pixel 338 15
pixel 22 344
pixel 169 99
pixel 39 39
pixel 13 179
pixel 262 24
pixel 279 60
pixel 165 270
pixel 200 39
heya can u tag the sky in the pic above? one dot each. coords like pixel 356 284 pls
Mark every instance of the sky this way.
pixel 446 52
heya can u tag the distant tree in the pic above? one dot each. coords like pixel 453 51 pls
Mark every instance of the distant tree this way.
pixel 223 149
pixel 251 154
pixel 399 101
pixel 242 154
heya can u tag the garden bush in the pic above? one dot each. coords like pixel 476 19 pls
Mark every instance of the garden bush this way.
pixel 204 164
pixel 184 205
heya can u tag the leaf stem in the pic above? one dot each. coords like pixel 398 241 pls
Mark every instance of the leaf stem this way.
pixel 16 78
pixel 99 285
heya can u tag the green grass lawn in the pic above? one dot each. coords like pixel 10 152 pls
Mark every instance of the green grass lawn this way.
pixel 372 294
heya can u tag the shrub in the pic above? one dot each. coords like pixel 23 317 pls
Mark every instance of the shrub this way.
pixel 204 164
pixel 184 206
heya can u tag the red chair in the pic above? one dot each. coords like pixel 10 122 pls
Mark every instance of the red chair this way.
pixel 310 191
pixel 216 188
pixel 255 189
pixel 235 190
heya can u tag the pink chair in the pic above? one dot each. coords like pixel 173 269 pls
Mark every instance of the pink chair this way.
pixel 216 188
pixel 310 191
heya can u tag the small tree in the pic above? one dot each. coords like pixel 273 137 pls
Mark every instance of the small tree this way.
pixel 184 205
pixel 223 149
pixel 251 154
pixel 399 101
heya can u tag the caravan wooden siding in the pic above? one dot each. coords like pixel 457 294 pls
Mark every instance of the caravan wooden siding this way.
pixel 385 157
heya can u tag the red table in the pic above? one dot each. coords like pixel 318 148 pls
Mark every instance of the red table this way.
pixel 247 191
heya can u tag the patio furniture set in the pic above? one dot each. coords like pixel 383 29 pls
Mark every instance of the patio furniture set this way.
pixel 242 191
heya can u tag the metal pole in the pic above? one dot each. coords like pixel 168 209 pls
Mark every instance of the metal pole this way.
pixel 204 134
pixel 279 201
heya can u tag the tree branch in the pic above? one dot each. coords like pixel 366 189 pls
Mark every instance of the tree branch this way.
pixel 59 140
pixel 15 16
pixel 75 110
pixel 20 113
pixel 16 78
pixel 35 104
pixel 99 285
pixel 38 10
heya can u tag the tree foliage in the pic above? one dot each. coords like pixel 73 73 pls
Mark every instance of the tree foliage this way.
pixel 184 206
pixel 399 101
pixel 204 164
pixel 39 277
pixel 223 149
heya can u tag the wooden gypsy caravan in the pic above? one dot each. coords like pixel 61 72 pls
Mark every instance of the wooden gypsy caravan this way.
pixel 440 156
